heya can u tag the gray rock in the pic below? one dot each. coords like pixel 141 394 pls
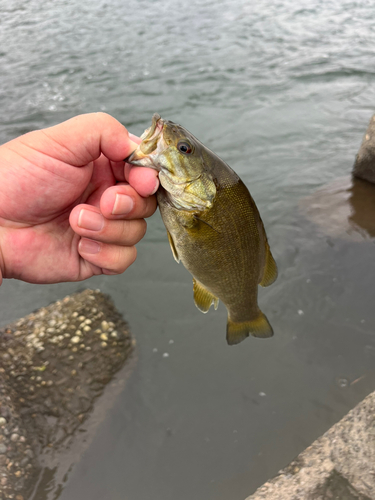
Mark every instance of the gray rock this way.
pixel 338 465
pixel 3 449
pixel 364 166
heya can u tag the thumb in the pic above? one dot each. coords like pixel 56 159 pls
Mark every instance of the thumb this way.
pixel 83 138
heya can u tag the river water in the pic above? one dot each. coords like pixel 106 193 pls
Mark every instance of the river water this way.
pixel 282 91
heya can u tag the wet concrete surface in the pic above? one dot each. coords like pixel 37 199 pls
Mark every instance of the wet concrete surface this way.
pixel 55 363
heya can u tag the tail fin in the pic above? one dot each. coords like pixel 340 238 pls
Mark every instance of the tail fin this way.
pixel 259 327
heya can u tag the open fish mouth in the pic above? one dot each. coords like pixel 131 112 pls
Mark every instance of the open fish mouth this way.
pixel 151 146
pixel 155 129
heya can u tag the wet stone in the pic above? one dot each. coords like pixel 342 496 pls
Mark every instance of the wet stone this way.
pixel 104 326
pixel 364 166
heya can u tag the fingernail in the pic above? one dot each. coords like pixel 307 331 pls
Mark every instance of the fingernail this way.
pixel 156 186
pixel 90 220
pixel 132 137
pixel 123 204
pixel 132 145
pixel 89 246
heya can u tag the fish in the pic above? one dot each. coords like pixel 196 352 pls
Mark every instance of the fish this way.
pixel 213 226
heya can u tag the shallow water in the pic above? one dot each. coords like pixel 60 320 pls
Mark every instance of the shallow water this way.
pixel 283 93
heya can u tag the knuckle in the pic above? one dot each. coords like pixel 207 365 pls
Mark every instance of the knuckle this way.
pixel 133 231
pixel 151 205
pixel 143 228
pixel 100 115
pixel 125 258
pixel 132 255
pixel 117 259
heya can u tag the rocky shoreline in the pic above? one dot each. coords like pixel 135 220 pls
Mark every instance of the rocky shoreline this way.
pixel 54 364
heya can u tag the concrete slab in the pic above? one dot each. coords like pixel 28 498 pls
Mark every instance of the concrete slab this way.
pixel 338 465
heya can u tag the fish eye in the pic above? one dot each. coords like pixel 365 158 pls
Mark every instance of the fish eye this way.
pixel 184 147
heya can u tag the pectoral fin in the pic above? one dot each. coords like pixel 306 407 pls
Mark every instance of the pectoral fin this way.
pixel 173 248
pixel 270 268
pixel 203 298
pixel 259 327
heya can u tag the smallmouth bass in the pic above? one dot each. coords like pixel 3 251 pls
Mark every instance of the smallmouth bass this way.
pixel 213 226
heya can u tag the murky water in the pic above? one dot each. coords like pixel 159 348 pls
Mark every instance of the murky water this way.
pixel 281 91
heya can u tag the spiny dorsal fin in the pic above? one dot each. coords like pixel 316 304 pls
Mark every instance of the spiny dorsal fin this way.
pixel 259 327
pixel 173 248
pixel 203 298
pixel 270 268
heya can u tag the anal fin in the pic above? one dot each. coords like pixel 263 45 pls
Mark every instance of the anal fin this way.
pixel 203 298
pixel 259 327
pixel 270 268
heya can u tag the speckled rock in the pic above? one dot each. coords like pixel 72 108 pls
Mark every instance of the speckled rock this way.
pixel 339 465
pixel 52 369
pixel 364 166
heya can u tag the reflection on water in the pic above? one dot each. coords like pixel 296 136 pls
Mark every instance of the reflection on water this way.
pixel 344 208
pixel 362 200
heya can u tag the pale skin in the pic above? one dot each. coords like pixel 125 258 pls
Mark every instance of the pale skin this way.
pixel 70 208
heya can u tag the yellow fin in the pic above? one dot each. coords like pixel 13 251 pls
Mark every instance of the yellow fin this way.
pixel 259 327
pixel 270 268
pixel 203 298
pixel 173 248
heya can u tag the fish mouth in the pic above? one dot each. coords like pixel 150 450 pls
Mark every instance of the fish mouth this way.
pixel 149 132
pixel 151 146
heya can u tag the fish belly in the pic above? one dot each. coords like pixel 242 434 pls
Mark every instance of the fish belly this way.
pixel 222 252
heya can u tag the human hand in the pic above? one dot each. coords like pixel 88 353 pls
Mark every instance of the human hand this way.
pixel 68 207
